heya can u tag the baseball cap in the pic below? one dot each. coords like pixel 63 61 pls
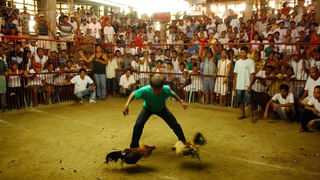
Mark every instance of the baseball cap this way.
pixel 38 65
pixel 296 53
pixel 83 19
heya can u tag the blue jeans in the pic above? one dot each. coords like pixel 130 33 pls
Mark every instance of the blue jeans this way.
pixel 165 114
pixel 100 80
pixel 128 92
pixel 86 92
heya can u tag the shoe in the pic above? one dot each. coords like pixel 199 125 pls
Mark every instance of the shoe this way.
pixel 254 120
pixel 81 101
pixel 92 101
pixel 241 117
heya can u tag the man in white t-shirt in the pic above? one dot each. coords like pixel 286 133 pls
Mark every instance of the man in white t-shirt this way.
pixel 95 28
pixel 282 103
pixel 83 86
pixel 109 33
pixel 311 117
pixel 244 71
pixel 312 81
pixel 150 35
pixel 111 68
pixel 127 83
pixel 84 27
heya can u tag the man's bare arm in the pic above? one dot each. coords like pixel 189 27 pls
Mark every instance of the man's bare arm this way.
pixel 126 106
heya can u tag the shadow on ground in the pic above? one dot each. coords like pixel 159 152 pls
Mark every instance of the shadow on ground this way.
pixel 132 169
pixel 195 165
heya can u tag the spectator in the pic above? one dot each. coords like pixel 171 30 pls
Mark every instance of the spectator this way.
pixel 99 60
pixel 3 84
pixel 25 17
pixel 312 113
pixel 158 68
pixel 127 83
pixel 223 72
pixel 63 58
pixel 243 80
pixel 49 80
pixel 208 68
pixel 312 81
pixel 282 104
pixel 300 70
pixel 36 82
pixel 33 47
pixel 17 56
pixel 42 29
pixel 84 28
pixel 66 32
pixel 144 64
pixel 81 88
pixel 196 84
pixel 39 58
pixel 74 24
pixel 111 68
pixel 262 82
pixel 95 29
pixel 53 59
pixel 109 33
pixel 127 59
pixel 119 59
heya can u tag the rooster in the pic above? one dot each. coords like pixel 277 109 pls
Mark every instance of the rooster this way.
pixel 190 148
pixel 130 156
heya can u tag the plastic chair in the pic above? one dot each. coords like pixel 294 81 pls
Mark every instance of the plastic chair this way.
pixel 192 91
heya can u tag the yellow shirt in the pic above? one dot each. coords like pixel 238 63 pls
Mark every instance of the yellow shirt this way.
pixel 251 56
pixel 260 65
pixel 275 86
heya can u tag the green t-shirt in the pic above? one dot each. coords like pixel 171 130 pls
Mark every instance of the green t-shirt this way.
pixel 190 66
pixel 151 101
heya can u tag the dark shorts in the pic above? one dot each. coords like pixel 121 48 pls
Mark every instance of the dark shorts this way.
pixel 111 84
pixel 243 96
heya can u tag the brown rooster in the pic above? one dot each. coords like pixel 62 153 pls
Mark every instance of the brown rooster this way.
pixel 130 156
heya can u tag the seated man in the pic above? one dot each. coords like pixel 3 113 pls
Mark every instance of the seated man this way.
pixel 127 83
pixel 282 104
pixel 83 86
pixel 36 83
pixel 311 117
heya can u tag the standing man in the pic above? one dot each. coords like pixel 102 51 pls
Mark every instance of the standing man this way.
pixel 66 34
pixel 42 28
pixel 244 72
pixel 95 29
pixel 154 97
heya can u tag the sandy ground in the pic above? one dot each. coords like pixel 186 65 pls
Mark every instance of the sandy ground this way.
pixel 70 141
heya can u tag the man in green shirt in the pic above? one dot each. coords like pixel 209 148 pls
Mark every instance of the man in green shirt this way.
pixel 154 97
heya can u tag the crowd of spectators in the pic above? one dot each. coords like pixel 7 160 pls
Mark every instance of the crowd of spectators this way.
pixel 200 54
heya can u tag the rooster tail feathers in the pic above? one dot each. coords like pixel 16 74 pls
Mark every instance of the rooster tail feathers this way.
pixel 199 139
pixel 113 156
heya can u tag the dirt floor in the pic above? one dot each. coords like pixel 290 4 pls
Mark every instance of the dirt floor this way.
pixel 70 141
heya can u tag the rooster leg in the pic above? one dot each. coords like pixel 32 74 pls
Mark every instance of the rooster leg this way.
pixel 121 163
